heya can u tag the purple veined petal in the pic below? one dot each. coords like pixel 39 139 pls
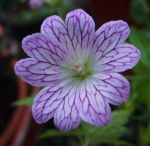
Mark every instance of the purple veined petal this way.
pixel 43 48
pixel 75 34
pixel 119 59
pixel 111 34
pixel 113 87
pixel 93 108
pixel 38 73
pixel 109 88
pixel 46 103
pixel 81 30
pixel 67 116
pixel 57 100
pixel 54 26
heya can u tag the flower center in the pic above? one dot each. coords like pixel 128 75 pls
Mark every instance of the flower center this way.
pixel 81 70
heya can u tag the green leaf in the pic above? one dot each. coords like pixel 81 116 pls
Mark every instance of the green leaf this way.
pixel 88 134
pixel 144 136
pixel 141 89
pixel 141 40
pixel 110 133
pixel 140 84
pixel 56 133
pixel 118 142
pixel 24 102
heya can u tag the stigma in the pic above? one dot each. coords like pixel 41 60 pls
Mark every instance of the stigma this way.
pixel 79 69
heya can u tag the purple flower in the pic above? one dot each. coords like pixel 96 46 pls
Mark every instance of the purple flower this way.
pixel 79 67
pixel 35 4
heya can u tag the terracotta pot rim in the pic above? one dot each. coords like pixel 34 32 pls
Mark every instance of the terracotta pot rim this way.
pixel 16 117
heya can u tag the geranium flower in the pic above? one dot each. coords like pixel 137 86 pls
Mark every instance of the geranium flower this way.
pixel 79 67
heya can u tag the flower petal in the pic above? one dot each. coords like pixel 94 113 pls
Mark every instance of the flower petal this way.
pixel 96 94
pixel 111 34
pixel 38 73
pixel 113 87
pixel 54 26
pixel 67 115
pixel 57 100
pixel 81 29
pixel 43 48
pixel 119 59
pixel 93 108
pixel 45 104
pixel 76 34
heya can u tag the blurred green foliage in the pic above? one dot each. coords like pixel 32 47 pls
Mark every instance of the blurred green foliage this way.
pixel 9 11
pixel 140 96
pixel 141 79
pixel 140 11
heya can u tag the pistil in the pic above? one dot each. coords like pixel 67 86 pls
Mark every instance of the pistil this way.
pixel 81 70
pixel 78 68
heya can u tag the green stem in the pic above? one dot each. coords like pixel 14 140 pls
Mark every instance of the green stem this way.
pixel 83 141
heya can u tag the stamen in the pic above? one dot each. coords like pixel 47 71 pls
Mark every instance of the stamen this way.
pixel 81 70
pixel 78 69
